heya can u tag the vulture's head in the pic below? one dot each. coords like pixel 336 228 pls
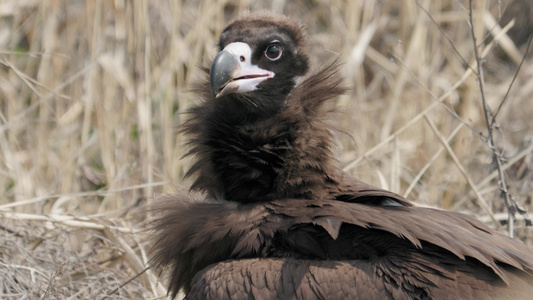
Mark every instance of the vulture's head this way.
pixel 261 112
pixel 261 59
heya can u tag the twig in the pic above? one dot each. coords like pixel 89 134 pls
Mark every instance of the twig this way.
pixel 10 230
pixel 135 263
pixel 415 119
pixel 488 121
pixel 80 194
pixel 422 171
pixel 445 36
pixel 80 222
pixel 463 171
pixel 421 115
pixel 128 281
pixel 512 82
pixel 494 173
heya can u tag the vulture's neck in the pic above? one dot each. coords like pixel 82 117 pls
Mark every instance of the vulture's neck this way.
pixel 250 150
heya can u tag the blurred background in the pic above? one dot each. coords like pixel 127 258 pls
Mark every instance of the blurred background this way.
pixel 92 94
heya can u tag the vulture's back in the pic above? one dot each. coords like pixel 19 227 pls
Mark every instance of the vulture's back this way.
pixel 328 249
pixel 276 278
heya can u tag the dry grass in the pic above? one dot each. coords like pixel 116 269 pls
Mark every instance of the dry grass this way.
pixel 91 94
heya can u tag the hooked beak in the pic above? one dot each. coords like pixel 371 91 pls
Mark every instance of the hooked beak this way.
pixel 232 71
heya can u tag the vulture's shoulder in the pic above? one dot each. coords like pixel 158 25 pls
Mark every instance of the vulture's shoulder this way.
pixel 332 238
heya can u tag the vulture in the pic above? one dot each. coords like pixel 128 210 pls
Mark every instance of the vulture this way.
pixel 270 215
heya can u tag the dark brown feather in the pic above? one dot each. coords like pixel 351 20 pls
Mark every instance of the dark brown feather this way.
pixel 404 252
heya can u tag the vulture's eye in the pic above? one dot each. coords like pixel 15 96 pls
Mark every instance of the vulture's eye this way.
pixel 273 52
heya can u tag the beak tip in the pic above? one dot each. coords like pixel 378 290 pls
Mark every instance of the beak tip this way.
pixel 221 71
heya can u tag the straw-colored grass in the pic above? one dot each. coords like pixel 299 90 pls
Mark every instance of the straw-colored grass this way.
pixel 91 96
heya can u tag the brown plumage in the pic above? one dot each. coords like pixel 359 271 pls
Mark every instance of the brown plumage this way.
pixel 270 215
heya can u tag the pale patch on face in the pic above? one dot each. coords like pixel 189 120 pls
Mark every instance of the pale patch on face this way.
pixel 244 75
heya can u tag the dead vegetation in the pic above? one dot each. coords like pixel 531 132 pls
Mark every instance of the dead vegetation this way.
pixel 91 95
